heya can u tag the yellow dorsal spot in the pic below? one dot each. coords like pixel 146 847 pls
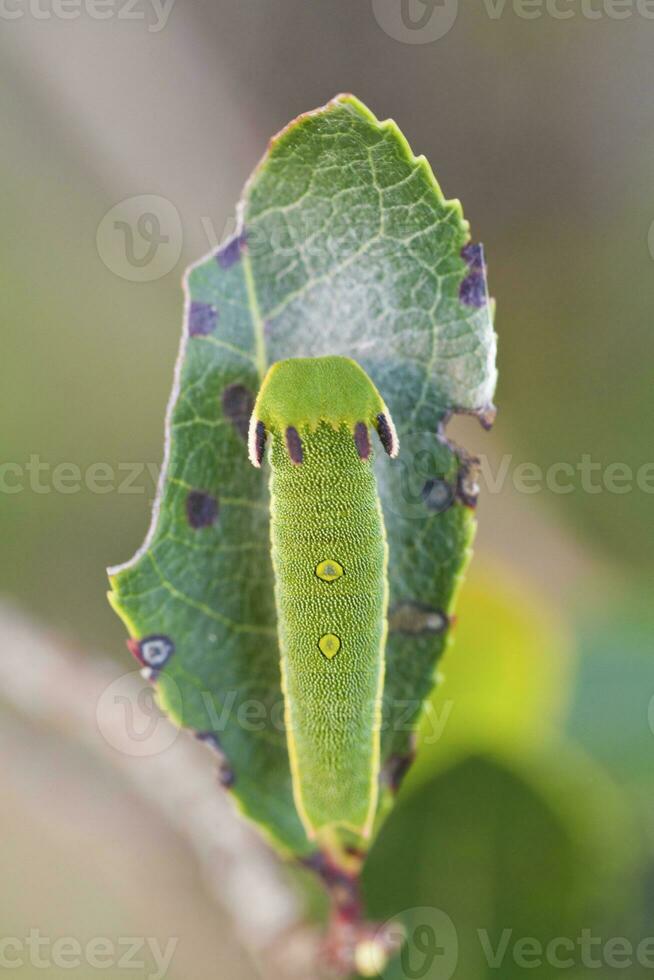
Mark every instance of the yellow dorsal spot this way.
pixel 329 570
pixel 329 645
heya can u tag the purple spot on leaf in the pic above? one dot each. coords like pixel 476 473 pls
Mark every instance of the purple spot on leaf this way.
pixel 487 416
pixel 212 741
pixel 438 495
pixel 238 403
pixel 201 509
pixel 156 650
pixel 416 618
pixel 396 769
pixel 472 291
pixel 226 776
pixel 202 319
pixel 474 256
pixel 231 251
pixel 467 483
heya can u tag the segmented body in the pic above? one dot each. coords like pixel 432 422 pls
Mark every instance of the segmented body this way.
pixel 329 559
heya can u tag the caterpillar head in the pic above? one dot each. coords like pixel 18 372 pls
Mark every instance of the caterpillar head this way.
pixel 300 393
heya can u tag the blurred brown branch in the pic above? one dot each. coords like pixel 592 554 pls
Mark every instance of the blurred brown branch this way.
pixel 72 694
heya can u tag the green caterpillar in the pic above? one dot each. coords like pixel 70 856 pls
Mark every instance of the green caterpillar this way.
pixel 329 557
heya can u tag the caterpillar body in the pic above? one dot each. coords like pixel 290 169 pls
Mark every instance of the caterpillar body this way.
pixel 329 558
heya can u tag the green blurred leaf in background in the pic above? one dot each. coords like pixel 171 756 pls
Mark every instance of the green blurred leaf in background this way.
pixel 495 774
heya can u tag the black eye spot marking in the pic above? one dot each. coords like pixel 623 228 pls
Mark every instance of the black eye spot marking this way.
pixel 472 290
pixel 438 495
pixel 362 440
pixel 259 446
pixel 415 618
pixel 387 435
pixel 231 251
pixel 201 509
pixel 152 651
pixel 202 319
pixel 294 445
pixel 238 403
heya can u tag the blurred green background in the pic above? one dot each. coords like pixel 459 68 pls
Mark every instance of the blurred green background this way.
pixel 533 811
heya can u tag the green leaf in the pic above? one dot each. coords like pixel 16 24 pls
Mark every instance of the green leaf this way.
pixel 614 692
pixel 507 684
pixel 474 827
pixel 346 246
